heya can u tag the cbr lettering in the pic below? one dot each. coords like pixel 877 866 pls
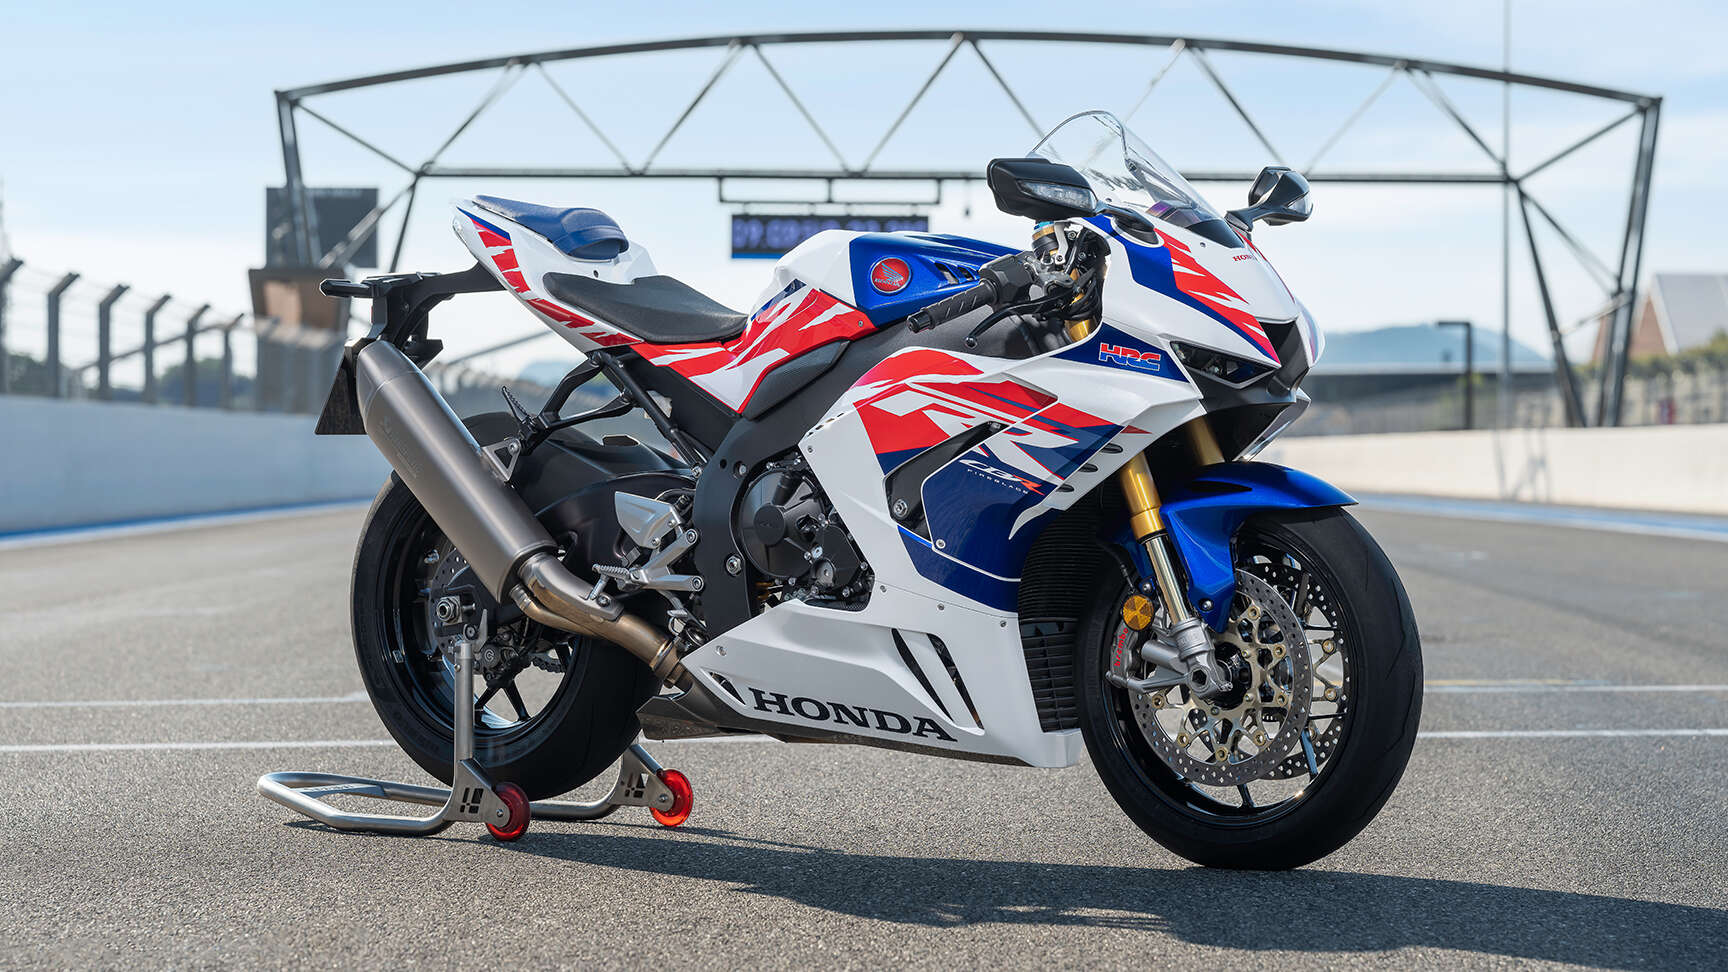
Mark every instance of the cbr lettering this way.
pixel 1031 485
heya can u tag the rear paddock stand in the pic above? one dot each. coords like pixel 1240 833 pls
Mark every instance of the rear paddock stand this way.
pixel 473 796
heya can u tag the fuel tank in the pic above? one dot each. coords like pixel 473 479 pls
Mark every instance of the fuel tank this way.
pixel 885 275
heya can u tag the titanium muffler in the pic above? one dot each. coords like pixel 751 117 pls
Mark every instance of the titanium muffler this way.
pixel 508 550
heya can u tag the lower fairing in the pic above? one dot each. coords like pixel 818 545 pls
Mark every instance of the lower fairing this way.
pixel 907 670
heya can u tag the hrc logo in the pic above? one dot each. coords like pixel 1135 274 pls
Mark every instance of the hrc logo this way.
pixel 1124 357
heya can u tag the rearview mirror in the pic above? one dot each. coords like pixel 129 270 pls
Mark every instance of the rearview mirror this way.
pixel 1279 195
pixel 1040 189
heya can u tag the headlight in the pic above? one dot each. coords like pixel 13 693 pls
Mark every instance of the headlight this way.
pixel 1222 367
pixel 1072 197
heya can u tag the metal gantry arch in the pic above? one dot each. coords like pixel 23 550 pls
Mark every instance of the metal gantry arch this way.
pixel 1618 281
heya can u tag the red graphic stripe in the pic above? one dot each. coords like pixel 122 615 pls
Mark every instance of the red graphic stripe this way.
pixel 800 322
pixel 1203 285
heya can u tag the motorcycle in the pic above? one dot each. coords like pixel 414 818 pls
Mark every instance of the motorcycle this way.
pixel 930 493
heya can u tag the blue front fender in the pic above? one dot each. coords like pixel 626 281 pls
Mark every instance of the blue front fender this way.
pixel 1203 514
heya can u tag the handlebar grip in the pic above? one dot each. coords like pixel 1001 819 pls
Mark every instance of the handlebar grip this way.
pixel 344 288
pixel 949 308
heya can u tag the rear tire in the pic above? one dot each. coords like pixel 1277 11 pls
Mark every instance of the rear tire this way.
pixel 1377 631
pixel 583 728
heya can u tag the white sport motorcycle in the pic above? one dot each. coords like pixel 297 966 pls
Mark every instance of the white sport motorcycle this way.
pixel 929 494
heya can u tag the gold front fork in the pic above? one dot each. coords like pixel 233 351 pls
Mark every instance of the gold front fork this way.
pixel 1193 646
pixel 1202 441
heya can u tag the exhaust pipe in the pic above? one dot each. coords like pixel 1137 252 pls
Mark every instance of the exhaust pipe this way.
pixel 509 551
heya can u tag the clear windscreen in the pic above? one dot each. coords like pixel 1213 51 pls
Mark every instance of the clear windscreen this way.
pixel 1123 170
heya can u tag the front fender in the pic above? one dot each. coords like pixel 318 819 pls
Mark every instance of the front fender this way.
pixel 1203 513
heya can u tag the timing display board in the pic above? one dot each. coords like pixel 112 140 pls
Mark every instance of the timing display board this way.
pixel 337 209
pixel 768 236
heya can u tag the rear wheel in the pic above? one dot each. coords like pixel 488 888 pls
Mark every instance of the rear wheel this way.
pixel 552 710
pixel 1301 754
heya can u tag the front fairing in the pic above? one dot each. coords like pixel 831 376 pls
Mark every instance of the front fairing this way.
pixel 1190 289
pixel 1187 292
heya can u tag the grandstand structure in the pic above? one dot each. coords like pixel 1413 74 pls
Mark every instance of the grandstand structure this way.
pixel 1014 62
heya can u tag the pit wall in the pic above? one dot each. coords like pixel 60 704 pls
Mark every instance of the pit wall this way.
pixel 1679 468
pixel 77 463
pixel 70 463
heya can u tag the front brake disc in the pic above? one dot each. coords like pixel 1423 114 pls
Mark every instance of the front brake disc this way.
pixel 1333 677
pixel 1246 734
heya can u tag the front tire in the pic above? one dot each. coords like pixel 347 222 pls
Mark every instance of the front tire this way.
pixel 1358 621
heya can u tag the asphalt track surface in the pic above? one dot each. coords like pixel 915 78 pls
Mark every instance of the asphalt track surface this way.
pixel 1566 804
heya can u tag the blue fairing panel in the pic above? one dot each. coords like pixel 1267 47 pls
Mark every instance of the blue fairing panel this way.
pixel 940 267
pixel 1204 513
pixel 975 503
pixel 975 584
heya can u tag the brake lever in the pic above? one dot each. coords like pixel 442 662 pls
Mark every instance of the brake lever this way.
pixel 990 322
pixel 1047 302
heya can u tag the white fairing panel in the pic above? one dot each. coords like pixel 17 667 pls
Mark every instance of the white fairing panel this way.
pixel 1313 338
pixel 823 261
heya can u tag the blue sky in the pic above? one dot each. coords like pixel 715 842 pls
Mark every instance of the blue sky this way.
pixel 135 139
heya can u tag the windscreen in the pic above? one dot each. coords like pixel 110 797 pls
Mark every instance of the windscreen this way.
pixel 1124 171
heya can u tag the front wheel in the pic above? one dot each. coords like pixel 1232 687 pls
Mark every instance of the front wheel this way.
pixel 1301 753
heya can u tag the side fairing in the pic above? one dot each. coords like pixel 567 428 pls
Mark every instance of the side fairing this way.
pixel 1038 434
pixel 1312 336
pixel 935 658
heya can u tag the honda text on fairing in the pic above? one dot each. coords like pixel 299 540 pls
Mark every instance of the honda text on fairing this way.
pixel 929 493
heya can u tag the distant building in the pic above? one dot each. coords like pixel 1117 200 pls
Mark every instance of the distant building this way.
pixel 1419 349
pixel 1408 378
pixel 1678 312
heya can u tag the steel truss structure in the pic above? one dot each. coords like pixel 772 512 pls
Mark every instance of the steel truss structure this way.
pixel 1619 282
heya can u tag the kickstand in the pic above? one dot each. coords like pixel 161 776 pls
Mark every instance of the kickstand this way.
pixel 473 796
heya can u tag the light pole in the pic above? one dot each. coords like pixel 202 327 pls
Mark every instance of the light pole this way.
pixel 1469 370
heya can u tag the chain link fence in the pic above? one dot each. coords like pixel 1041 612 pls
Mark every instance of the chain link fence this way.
pixel 66 335
pixel 1686 389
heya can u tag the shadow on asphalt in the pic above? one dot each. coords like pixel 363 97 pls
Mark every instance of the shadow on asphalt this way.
pixel 1304 910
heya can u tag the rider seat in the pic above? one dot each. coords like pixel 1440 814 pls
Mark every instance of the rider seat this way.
pixel 658 309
